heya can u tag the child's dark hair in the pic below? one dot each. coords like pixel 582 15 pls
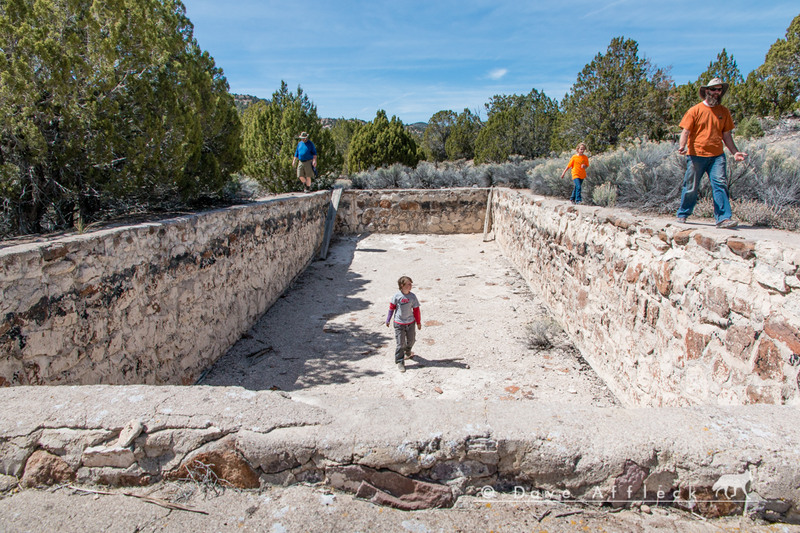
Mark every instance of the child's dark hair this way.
pixel 402 281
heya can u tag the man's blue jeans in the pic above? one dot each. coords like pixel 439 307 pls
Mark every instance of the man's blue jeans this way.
pixel 696 166
pixel 576 192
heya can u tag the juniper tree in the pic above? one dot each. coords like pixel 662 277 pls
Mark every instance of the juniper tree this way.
pixel 516 124
pixel 774 87
pixel 617 96
pixel 381 143
pixel 103 101
pixel 460 143
pixel 269 139
pixel 436 134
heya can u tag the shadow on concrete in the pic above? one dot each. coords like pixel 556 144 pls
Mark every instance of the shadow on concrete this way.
pixel 435 363
pixel 309 337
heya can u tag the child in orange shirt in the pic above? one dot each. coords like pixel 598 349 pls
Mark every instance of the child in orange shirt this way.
pixel 578 163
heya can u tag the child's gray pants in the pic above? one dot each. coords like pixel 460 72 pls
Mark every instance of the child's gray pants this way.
pixel 405 335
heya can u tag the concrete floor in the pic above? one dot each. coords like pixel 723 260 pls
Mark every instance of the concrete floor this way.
pixel 327 334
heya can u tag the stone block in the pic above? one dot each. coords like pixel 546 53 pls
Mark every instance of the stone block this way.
pixel 707 243
pixel 741 247
pixel 739 340
pixel 113 456
pixel 389 488
pixel 768 364
pixel 779 329
pixel 695 342
pixel 45 469
pixel 225 466
pixel 770 277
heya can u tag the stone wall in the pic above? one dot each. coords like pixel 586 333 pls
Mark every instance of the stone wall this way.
pixel 667 315
pixel 438 211
pixel 152 303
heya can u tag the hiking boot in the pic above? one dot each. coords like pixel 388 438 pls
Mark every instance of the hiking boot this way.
pixel 681 220
pixel 401 366
pixel 728 223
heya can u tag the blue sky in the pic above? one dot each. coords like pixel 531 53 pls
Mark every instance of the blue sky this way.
pixel 413 58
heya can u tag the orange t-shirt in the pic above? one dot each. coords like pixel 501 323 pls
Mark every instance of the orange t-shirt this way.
pixel 706 126
pixel 575 163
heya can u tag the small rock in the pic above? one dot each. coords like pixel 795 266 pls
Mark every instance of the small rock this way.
pixel 45 469
pixel 129 433
pixel 646 509
pixel 115 456
pixel 437 389
pixel 7 482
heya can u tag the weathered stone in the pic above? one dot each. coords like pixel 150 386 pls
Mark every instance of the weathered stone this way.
pixel 706 242
pixel 390 488
pixel 696 342
pixel 45 469
pixel 720 371
pixel 770 276
pixel 114 456
pixel 682 237
pixel 446 471
pixel 662 276
pixel 768 363
pixel 739 340
pixel 7 483
pixel 129 433
pixel 770 394
pixel 703 501
pixel 716 301
pixel 742 248
pixel 632 273
pixel 777 328
pixel 227 466
pixel 133 476
pixel 628 484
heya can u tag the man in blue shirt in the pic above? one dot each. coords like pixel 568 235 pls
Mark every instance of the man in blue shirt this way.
pixel 305 157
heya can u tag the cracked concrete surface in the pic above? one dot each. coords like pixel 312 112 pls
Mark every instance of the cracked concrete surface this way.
pixel 326 335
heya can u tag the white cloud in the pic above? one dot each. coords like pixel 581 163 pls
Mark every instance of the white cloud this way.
pixel 498 73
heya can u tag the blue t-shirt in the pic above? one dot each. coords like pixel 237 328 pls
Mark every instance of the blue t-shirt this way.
pixel 305 151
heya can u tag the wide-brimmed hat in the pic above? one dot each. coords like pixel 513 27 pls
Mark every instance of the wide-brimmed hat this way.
pixel 303 136
pixel 713 83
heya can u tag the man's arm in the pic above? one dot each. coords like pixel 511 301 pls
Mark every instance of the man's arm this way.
pixel 727 138
pixel 684 140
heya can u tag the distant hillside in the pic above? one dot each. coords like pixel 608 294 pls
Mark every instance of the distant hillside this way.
pixel 243 101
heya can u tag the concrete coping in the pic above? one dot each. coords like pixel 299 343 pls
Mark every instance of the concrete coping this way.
pixel 592 453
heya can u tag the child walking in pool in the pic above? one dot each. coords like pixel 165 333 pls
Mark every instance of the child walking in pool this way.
pixel 404 307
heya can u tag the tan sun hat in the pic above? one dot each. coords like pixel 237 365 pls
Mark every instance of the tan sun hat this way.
pixel 303 136
pixel 713 83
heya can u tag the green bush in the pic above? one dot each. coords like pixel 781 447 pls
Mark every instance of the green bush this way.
pixel 605 195
pixel 749 128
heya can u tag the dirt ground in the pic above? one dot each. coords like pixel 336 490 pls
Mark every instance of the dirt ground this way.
pixel 316 508
pixel 327 336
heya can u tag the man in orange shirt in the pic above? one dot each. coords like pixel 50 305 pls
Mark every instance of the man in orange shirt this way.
pixel 707 126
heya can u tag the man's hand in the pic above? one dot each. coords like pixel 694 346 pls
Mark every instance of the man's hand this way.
pixel 682 150
pixel 739 156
